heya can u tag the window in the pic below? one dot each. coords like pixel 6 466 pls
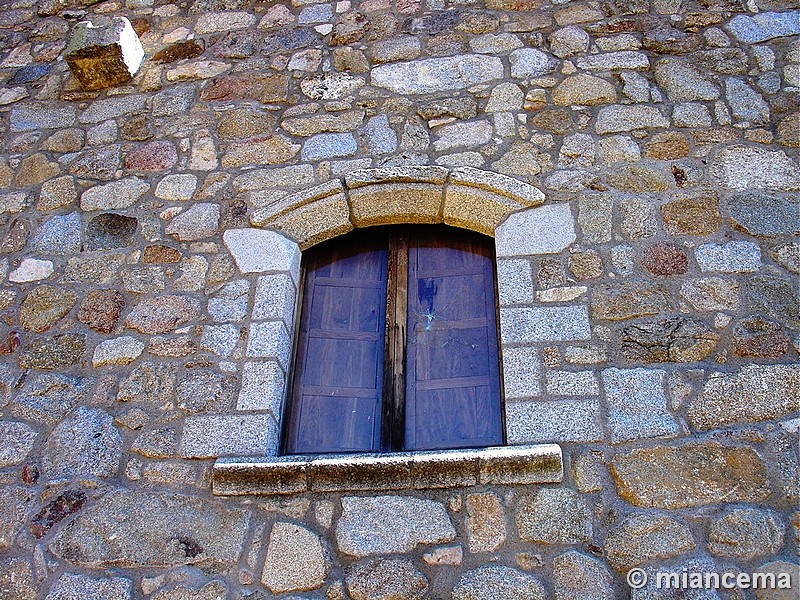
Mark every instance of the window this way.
pixel 397 344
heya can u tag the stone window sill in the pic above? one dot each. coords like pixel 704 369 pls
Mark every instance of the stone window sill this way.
pixel 506 465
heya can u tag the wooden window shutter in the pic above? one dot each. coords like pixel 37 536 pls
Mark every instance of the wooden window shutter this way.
pixel 338 378
pixel 452 371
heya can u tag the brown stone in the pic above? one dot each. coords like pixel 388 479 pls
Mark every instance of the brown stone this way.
pixel 16 236
pixel 665 259
pixel 44 307
pixel 557 121
pixel 760 338
pixel 162 314
pixel 667 145
pixel 789 131
pixel 152 158
pixel 629 299
pixel 639 178
pixel 36 169
pixel 55 352
pixel 160 254
pixel 486 524
pixel 585 265
pixel 245 123
pixel 349 29
pixel 692 215
pixel 688 475
pixel 265 89
pixel 270 150
pixel 100 310
pixel 667 340
pixel 178 51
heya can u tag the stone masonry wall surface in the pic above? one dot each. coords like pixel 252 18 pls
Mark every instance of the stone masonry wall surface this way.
pixel 150 244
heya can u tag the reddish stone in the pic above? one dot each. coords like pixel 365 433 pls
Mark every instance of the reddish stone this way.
pixel 350 29
pixel 665 259
pixel 760 338
pixel 30 474
pixel 100 310
pixel 10 344
pixel 162 314
pixel 160 254
pixel 152 158
pixel 271 88
pixel 66 504
pixel 178 51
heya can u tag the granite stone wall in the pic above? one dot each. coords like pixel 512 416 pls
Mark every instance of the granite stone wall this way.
pixel 637 164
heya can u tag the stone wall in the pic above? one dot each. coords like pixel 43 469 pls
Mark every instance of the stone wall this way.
pixel 637 165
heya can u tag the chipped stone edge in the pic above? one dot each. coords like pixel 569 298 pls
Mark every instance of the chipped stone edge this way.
pixel 286 475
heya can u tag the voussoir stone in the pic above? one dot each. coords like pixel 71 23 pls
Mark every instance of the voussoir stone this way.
pixel 554 516
pixel 756 393
pixel 746 533
pixel 492 582
pixel 162 314
pixel 386 579
pixel 391 524
pixel 437 74
pixel 131 529
pixel 693 474
pixel 643 537
pixel 295 560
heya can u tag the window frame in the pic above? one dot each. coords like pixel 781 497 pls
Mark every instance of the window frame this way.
pixel 395 343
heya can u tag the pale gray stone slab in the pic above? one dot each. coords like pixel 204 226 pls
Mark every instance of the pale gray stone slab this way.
pixel 573 420
pixel 210 436
pixel 260 251
pixel 733 257
pixel 547 229
pixel 544 324
pixel 437 74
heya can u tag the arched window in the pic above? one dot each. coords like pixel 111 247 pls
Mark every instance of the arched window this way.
pixel 397 344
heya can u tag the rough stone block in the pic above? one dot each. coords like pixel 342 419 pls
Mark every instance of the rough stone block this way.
pixel 637 404
pixel 476 209
pixel 514 281
pixel 209 436
pixel 258 251
pixel 384 204
pixel 281 475
pixel 100 57
pixel 262 387
pixel 544 324
pixel 553 421
pixel 541 230
pixel 275 299
pixel 521 370
pixel 269 340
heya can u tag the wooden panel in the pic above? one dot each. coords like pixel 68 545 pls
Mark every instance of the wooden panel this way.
pixel 336 395
pixel 452 397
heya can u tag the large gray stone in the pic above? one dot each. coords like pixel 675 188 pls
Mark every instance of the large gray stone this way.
pixel 34 117
pixel 573 420
pixel 391 524
pixel 732 257
pixel 295 560
pixel 763 215
pixel 755 393
pixel 620 117
pixel 764 26
pixel 554 516
pixel 115 195
pixel 642 537
pixel 544 324
pixel 16 442
pixel 49 397
pixel 437 74
pixel 576 575
pixel 746 533
pixel 386 579
pixel 684 82
pixel 150 529
pixel 14 504
pixel 60 234
pixel 530 62
pixel 545 229
pixel 329 145
pixel 16 579
pixel 637 405
pixel 199 222
pixel 83 587
pixel 149 383
pixel 84 444
pixel 776 298
pixel 741 168
pixel 746 103
pixel 493 582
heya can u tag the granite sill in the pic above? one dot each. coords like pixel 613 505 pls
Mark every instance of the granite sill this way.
pixel 285 475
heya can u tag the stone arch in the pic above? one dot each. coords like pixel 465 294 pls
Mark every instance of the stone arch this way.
pixel 463 197
pixel 502 207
